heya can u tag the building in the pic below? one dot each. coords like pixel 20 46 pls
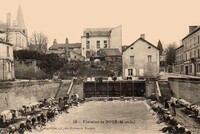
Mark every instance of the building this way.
pixel 179 60
pixel 188 55
pixel 140 59
pixel 108 54
pixel 6 61
pixel 16 32
pixel 69 51
pixel 94 39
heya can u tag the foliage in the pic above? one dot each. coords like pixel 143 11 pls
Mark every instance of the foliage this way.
pixel 49 63
pixel 27 71
pixel 170 54
pixel 160 47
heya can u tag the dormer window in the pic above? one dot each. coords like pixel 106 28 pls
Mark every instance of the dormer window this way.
pixel 149 47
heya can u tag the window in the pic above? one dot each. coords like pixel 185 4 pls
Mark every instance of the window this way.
pixel 132 60
pixel 198 67
pixel 87 35
pixel 8 51
pixel 98 44
pixel 198 39
pixel 198 53
pixel 194 53
pixel 87 44
pixel 194 41
pixel 149 58
pixel 190 55
pixel 105 43
pixel 186 56
pixel 130 72
pixel 190 68
pixel 87 54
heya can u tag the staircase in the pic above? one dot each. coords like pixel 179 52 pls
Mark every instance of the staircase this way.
pixel 165 90
pixel 64 88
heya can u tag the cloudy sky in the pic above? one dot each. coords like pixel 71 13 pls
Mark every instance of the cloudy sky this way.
pixel 165 20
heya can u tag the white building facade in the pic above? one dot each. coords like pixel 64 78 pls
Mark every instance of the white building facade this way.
pixel 140 59
pixel 94 39
pixel 6 62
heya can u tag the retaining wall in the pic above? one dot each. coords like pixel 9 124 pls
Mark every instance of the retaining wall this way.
pixel 15 94
pixel 186 88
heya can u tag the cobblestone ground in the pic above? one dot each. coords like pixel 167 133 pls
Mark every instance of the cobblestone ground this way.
pixel 118 117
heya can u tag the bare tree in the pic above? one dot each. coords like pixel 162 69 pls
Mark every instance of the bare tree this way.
pixel 40 39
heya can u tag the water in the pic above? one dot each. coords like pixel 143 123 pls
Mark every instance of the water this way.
pixel 118 117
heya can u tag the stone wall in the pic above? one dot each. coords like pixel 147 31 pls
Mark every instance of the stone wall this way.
pixel 186 88
pixel 150 87
pixel 16 94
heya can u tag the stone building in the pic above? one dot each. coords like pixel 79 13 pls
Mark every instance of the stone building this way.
pixel 107 54
pixel 69 51
pixel 179 60
pixel 6 61
pixel 140 59
pixel 16 32
pixel 94 39
pixel 188 55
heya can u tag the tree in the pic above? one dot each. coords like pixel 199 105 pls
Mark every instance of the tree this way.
pixel 160 47
pixel 40 39
pixel 170 54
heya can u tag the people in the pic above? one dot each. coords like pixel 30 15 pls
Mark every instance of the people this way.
pixel 28 123
pixel 173 109
pixel 166 103
pixel 22 128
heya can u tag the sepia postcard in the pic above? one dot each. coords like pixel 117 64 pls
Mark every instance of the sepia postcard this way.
pixel 99 67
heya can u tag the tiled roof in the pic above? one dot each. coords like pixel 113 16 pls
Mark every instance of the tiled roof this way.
pixel 56 46
pixel 2 42
pixel 142 40
pixel 110 52
pixel 98 31
pixel 179 47
pixel 194 31
pixel 72 45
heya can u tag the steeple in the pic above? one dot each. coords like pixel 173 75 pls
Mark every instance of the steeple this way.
pixel 20 19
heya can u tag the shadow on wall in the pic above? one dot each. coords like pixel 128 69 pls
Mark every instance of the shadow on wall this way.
pixel 14 96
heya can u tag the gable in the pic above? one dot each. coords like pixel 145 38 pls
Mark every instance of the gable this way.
pixel 144 42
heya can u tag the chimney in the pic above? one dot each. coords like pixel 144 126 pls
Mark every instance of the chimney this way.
pixel 142 36
pixel 66 41
pixel 54 42
pixel 191 28
pixel 9 19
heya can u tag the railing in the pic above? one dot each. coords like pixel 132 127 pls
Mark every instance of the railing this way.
pixel 158 93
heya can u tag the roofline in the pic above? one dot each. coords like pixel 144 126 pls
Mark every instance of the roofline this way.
pixel 196 30
pixel 179 47
pixel 6 43
pixel 96 36
pixel 142 40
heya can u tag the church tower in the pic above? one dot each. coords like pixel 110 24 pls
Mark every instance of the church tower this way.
pixel 20 21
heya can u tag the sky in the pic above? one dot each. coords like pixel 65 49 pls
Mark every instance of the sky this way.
pixel 165 20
